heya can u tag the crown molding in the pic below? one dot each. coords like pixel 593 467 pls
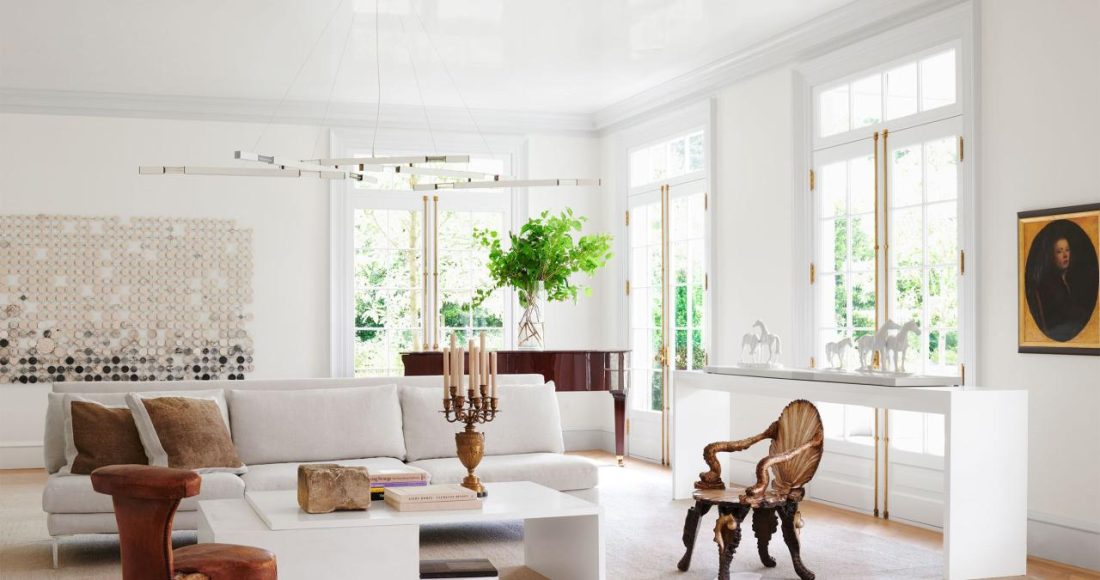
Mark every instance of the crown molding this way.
pixel 336 114
pixel 835 29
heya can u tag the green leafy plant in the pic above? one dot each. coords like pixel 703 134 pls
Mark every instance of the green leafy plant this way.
pixel 543 252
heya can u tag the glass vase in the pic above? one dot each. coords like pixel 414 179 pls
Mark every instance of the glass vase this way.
pixel 531 332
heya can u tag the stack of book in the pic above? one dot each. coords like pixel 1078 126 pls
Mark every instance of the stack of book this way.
pixel 383 479
pixel 432 497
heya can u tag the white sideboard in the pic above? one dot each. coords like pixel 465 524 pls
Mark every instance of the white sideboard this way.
pixel 985 453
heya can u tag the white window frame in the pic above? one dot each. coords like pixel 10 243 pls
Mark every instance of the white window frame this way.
pixel 342 195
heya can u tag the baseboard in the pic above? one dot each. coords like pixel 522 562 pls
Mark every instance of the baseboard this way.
pixel 589 439
pixel 15 455
pixel 1062 540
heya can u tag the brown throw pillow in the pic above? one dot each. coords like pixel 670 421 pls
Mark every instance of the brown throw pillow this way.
pixel 185 433
pixel 104 436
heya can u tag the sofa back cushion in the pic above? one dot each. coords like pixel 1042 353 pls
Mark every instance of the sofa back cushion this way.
pixel 529 422
pixel 54 437
pixel 316 424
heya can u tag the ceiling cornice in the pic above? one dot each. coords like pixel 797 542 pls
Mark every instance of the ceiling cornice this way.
pixel 344 115
pixel 845 25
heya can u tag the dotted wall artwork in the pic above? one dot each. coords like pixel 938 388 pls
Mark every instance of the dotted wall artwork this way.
pixel 110 299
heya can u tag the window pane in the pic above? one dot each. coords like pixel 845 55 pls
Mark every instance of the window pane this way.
pixel 906 296
pixel 863 300
pixel 938 80
pixel 901 91
pixel 943 233
pixel 834 189
pixel 695 152
pixel 677 157
pixel 906 179
pixel 833 111
pixel 941 158
pixel 863 243
pixel 867 101
pixel 906 237
pixel 862 184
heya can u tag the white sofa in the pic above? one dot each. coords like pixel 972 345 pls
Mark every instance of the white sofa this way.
pixel 533 448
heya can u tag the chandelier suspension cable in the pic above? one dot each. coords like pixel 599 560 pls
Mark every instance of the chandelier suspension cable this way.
pixel 332 87
pixel 301 67
pixel 447 70
pixel 378 70
pixel 419 91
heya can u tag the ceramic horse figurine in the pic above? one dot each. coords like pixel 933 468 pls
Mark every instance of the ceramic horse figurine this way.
pixel 769 340
pixel 898 345
pixel 753 342
pixel 869 344
pixel 839 349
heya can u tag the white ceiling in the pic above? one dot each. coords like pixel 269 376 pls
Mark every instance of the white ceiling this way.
pixel 563 56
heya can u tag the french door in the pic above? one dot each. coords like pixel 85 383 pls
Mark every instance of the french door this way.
pixel 887 246
pixel 667 296
pixel 416 265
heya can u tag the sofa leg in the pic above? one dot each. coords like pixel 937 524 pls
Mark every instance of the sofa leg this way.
pixel 54 545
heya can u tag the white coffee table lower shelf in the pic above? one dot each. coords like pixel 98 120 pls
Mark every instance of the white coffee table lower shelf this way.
pixel 562 534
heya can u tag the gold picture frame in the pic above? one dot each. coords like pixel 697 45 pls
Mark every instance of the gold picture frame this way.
pixel 1059 280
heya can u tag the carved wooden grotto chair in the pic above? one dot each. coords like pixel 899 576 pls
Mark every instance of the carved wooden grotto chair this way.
pixel 797 442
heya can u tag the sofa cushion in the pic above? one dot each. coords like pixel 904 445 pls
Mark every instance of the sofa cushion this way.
pixel 185 432
pixel 284 476
pixel 427 434
pixel 555 470
pixel 73 494
pixel 529 422
pixel 316 424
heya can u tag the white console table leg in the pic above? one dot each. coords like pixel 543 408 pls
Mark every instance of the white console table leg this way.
pixel 985 481
pixel 699 417
pixel 568 548
pixel 330 553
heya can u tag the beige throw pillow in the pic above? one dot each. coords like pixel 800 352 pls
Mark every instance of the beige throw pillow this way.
pixel 185 432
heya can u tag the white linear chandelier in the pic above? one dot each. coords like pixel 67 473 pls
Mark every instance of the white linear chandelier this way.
pixel 367 168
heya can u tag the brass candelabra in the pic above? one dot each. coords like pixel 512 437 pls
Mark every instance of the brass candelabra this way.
pixel 477 404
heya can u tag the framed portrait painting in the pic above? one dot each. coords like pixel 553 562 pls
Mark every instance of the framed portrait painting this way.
pixel 1059 280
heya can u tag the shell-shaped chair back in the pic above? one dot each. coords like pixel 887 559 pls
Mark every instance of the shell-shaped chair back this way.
pixel 799 423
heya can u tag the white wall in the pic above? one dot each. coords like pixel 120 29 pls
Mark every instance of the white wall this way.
pixel 1040 148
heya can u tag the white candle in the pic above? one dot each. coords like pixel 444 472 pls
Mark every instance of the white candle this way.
pixel 473 366
pixel 493 372
pixel 446 373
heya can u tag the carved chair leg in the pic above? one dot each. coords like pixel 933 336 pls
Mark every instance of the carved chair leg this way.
pixel 764 524
pixel 691 530
pixel 792 521
pixel 727 533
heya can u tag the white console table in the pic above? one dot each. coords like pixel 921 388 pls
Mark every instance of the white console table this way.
pixel 985 454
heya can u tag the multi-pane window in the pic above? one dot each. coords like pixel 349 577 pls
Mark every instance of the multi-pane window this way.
pixel 909 88
pixel 400 302
pixel 666 160
pixel 388 288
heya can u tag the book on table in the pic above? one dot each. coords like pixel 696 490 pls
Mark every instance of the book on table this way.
pixel 381 479
pixel 432 497
pixel 457 569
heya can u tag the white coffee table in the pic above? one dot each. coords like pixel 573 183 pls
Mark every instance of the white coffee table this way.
pixel 562 534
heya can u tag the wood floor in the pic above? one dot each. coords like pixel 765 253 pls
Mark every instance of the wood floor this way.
pixel 1036 567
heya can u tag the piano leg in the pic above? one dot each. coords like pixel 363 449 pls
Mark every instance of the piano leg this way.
pixel 620 424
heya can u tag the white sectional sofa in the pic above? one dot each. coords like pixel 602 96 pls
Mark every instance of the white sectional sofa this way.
pixel 275 432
